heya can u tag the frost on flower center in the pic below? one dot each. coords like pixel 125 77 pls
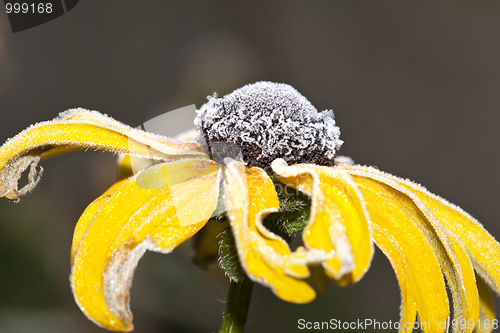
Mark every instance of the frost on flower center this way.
pixel 263 121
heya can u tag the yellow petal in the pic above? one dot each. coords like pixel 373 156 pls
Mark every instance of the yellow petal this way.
pixel 483 249
pixel 129 220
pixel 461 279
pixel 88 216
pixel 138 139
pixel 338 223
pixel 394 252
pixel 266 258
pixel 455 262
pixel 396 232
pixel 487 318
pixel 79 129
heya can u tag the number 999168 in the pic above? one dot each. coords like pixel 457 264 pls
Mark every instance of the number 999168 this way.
pixel 25 8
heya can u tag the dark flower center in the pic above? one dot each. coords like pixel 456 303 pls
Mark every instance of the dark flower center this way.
pixel 263 121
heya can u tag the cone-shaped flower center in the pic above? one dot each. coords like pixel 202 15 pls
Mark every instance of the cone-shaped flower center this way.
pixel 264 121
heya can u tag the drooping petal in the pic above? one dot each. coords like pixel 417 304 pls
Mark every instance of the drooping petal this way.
pixel 266 258
pixel 396 255
pixel 149 211
pixel 460 276
pixel 157 145
pixel 88 216
pixel 483 249
pixel 79 129
pixel 338 223
pixel 396 231
pixel 454 260
pixel 486 321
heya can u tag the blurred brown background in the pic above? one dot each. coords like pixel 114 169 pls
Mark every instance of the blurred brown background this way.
pixel 415 87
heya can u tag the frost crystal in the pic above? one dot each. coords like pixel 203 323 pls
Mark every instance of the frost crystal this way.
pixel 264 121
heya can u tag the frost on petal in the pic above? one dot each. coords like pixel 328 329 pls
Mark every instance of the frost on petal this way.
pixel 486 307
pixel 448 247
pixel 11 173
pixel 117 228
pixel 266 258
pixel 80 129
pixel 339 222
pixel 400 231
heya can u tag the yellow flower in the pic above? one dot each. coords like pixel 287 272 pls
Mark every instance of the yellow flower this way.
pixel 251 147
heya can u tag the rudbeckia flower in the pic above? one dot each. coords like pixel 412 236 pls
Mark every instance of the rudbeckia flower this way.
pixel 264 159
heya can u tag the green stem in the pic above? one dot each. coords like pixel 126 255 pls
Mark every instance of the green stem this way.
pixel 237 305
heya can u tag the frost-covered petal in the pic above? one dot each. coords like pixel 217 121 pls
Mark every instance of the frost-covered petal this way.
pixel 393 251
pixel 80 129
pixel 482 248
pixel 130 218
pixel 397 224
pixel 339 223
pixel 486 307
pixel 88 216
pixel 266 258
pixel 454 260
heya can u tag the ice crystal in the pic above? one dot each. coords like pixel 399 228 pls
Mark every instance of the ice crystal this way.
pixel 265 121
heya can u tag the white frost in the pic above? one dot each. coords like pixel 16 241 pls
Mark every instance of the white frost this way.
pixel 274 117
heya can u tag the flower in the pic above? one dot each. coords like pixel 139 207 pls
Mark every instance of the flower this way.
pixel 251 148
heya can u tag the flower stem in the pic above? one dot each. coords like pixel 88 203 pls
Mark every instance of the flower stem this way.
pixel 237 305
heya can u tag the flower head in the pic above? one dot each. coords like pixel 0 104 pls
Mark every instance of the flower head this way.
pixel 267 156
pixel 267 120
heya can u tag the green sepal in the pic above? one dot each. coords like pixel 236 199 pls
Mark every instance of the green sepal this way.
pixel 290 220
pixel 293 215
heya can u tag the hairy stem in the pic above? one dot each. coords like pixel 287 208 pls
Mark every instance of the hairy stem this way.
pixel 237 305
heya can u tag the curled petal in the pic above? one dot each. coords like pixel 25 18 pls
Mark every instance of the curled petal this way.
pixel 266 258
pixel 79 129
pixel 454 260
pixel 130 218
pixel 339 223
